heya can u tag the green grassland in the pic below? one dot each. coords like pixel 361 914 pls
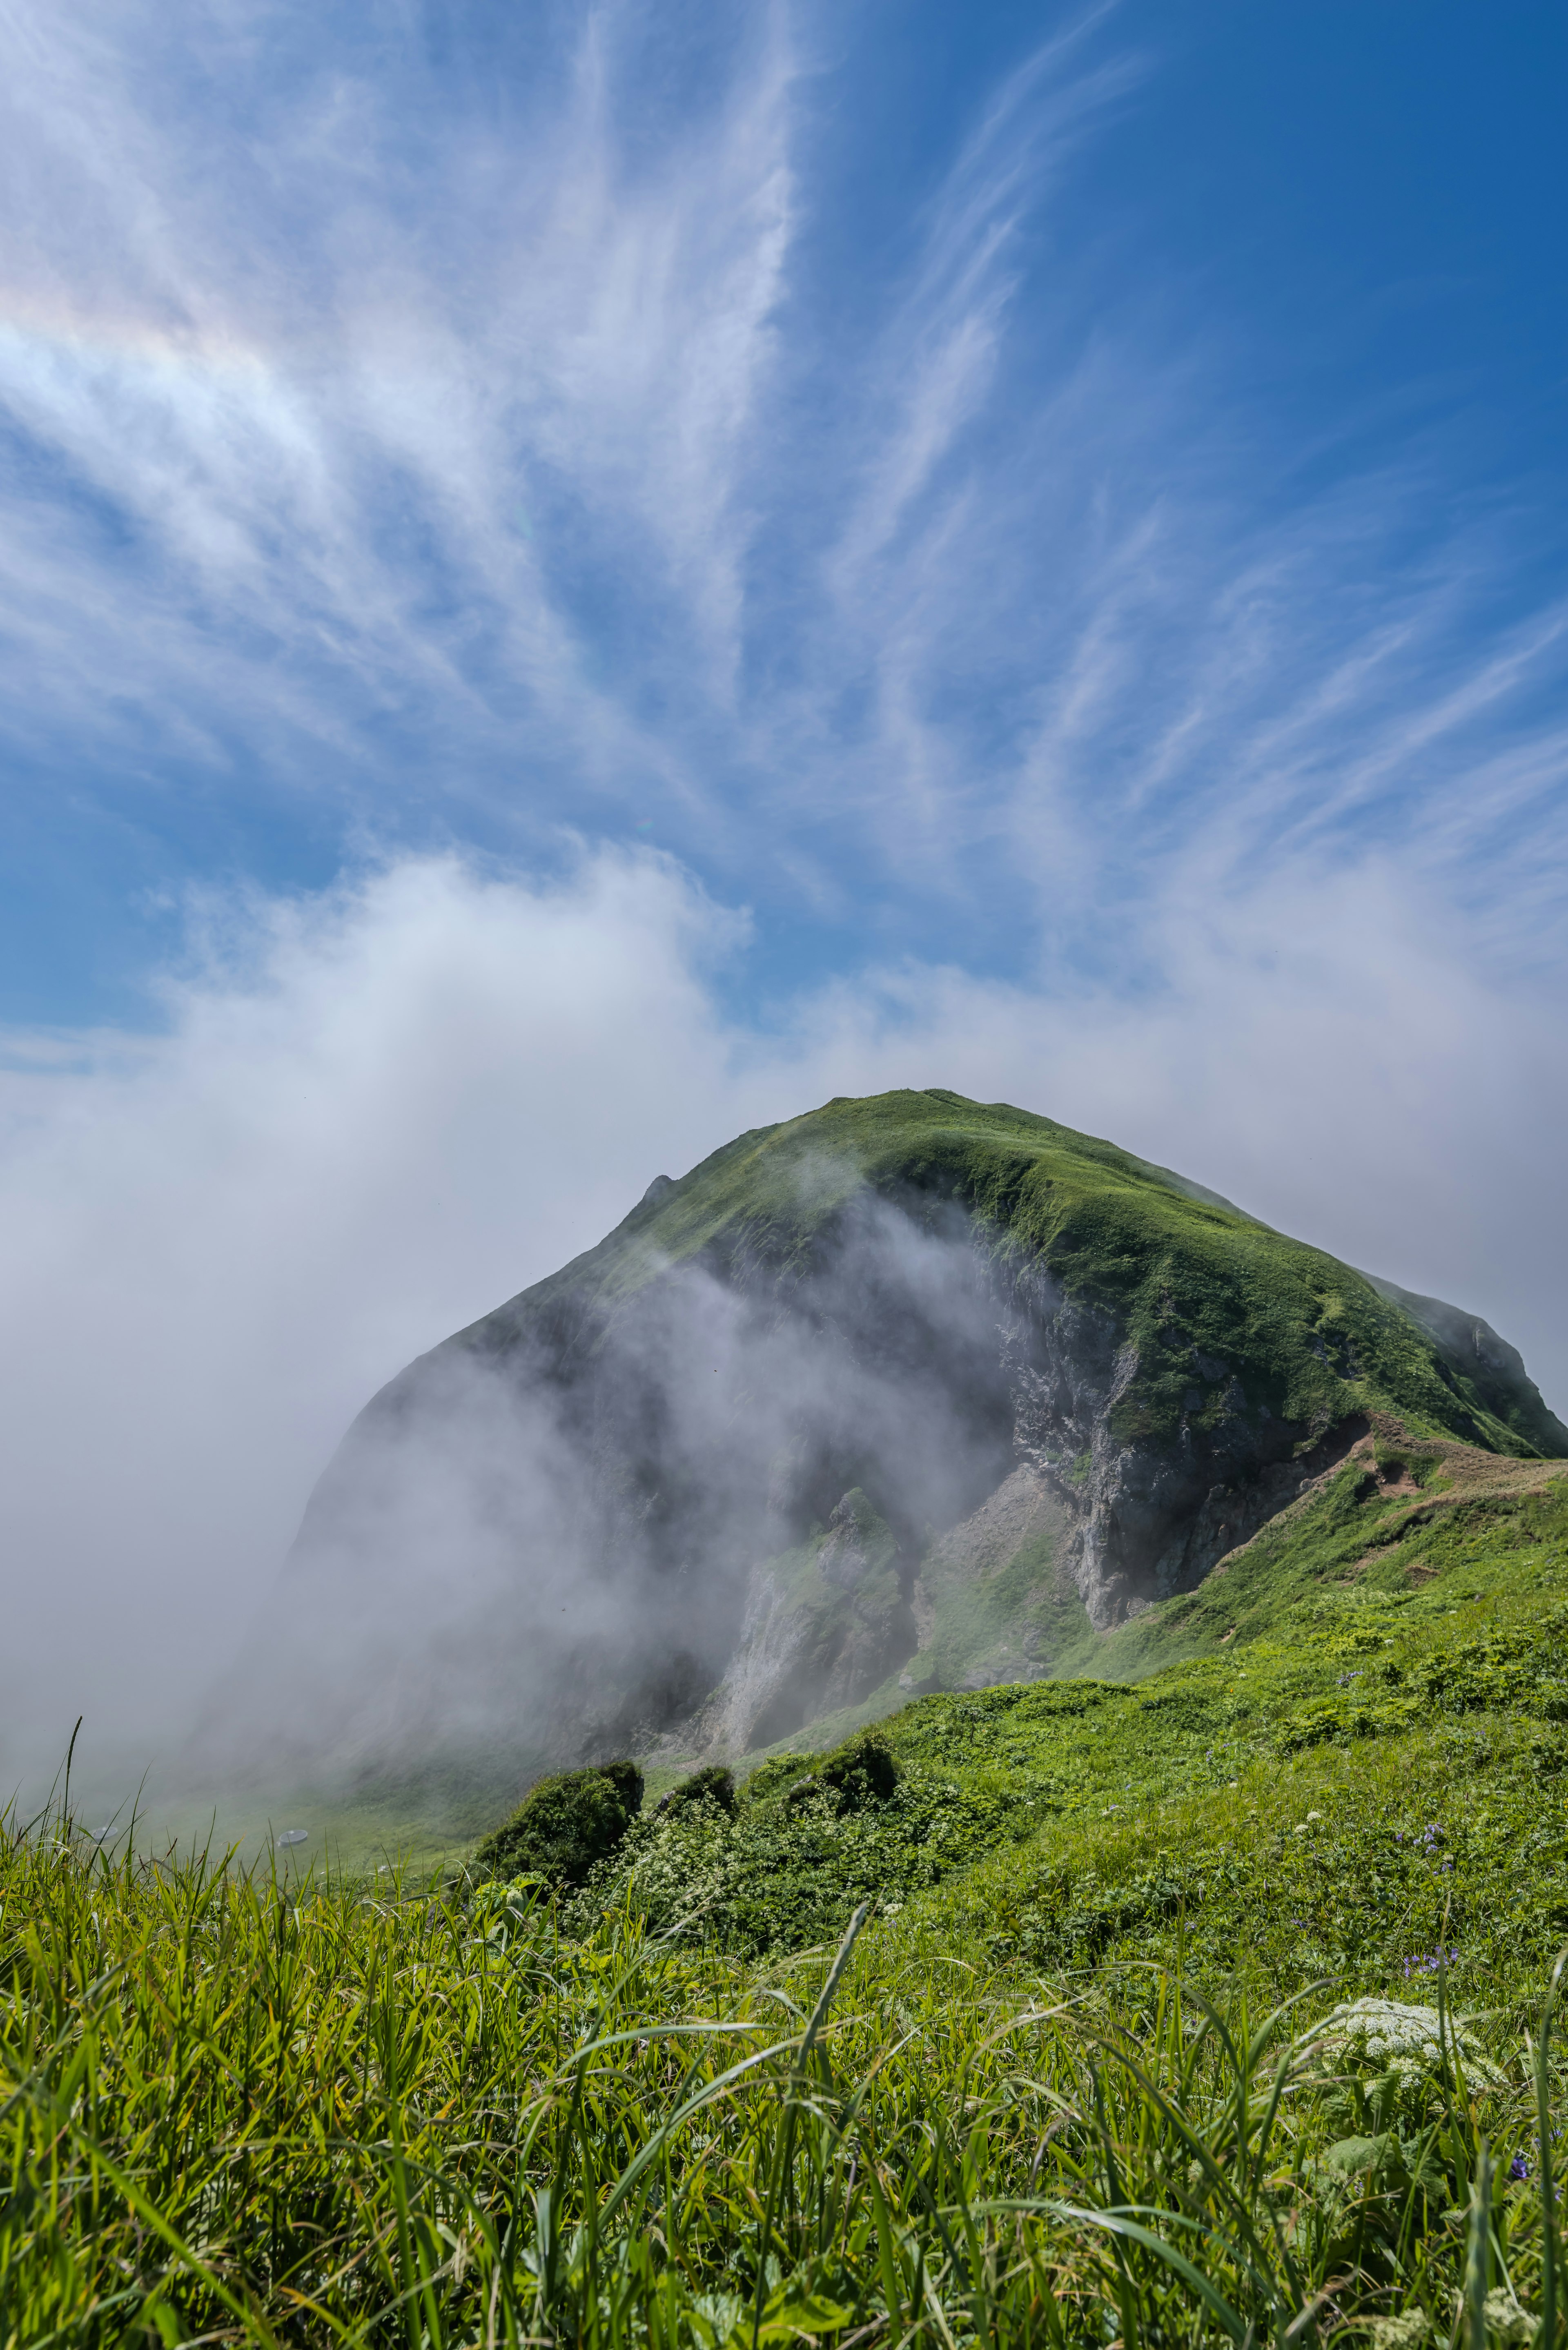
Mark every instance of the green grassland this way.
pixel 1361 1651
pixel 1088 2068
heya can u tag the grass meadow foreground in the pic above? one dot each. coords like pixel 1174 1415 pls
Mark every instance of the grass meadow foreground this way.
pixel 1215 2008
pixel 424 2118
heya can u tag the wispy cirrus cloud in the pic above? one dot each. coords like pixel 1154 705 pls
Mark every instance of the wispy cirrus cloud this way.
pixel 372 410
pixel 467 436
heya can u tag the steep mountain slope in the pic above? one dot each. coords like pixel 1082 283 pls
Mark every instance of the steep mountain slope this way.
pixel 907 1389
pixel 1376 1530
pixel 1366 1768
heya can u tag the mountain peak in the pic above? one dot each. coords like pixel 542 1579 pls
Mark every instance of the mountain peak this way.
pixel 765 1444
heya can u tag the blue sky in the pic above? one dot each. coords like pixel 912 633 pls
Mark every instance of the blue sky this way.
pixel 963 482
pixel 575 579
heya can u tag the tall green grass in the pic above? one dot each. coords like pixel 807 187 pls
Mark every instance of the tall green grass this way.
pixel 238 2111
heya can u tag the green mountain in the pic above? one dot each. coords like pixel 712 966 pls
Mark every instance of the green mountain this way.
pixel 910 1393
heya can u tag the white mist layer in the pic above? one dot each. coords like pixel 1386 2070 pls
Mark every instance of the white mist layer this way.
pixel 376 1114
pixel 373 1115
pixel 541 1544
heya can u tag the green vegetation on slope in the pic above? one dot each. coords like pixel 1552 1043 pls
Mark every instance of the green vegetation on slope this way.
pixel 1419 1710
pixel 1386 1519
pixel 565 1823
pixel 1209 1295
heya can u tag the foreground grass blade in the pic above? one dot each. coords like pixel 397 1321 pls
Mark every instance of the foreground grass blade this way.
pixel 415 2119
pixel 1550 2231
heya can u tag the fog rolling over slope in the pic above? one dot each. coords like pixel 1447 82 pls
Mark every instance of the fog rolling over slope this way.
pixel 908 1392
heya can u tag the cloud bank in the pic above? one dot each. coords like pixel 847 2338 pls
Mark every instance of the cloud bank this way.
pixel 378 1112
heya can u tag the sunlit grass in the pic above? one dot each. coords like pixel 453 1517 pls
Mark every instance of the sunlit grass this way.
pixel 415 2115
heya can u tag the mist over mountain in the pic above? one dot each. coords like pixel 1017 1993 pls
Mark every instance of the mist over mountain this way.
pixel 909 1392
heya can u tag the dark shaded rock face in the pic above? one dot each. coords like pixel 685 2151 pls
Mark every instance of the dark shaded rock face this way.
pixel 1153 1513
pixel 716 1473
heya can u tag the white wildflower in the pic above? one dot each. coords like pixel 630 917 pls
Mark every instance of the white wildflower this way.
pixel 1506 2322
pixel 1407 2333
pixel 1390 2035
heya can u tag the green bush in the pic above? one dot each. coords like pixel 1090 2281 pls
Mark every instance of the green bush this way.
pixel 777 1775
pixel 564 1825
pixel 861 1771
pixel 713 1784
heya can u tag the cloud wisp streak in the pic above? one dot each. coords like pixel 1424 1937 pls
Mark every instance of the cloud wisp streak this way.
pixel 380 453
pixel 470 440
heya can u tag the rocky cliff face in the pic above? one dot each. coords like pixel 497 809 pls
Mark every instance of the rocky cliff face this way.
pixel 912 1391
pixel 1088 1526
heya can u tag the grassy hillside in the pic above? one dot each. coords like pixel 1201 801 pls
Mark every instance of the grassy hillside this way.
pixel 1382 1522
pixel 1210 2007
pixel 1356 1658
pixel 1190 1279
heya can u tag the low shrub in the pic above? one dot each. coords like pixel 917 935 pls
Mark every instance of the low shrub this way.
pixel 713 1784
pixel 564 1825
pixel 861 1771
pixel 777 1775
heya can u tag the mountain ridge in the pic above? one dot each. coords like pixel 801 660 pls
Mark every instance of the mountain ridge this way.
pixel 907 1305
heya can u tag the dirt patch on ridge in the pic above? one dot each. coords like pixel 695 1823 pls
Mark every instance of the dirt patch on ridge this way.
pixel 1454 1473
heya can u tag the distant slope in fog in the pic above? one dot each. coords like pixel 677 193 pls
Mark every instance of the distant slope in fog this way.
pixel 910 1386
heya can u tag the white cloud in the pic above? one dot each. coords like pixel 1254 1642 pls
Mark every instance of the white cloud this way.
pixel 358 389
pixel 480 447
pixel 376 1114
pixel 372 1116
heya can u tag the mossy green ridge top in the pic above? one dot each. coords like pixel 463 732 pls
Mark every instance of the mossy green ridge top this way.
pixel 1208 1295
